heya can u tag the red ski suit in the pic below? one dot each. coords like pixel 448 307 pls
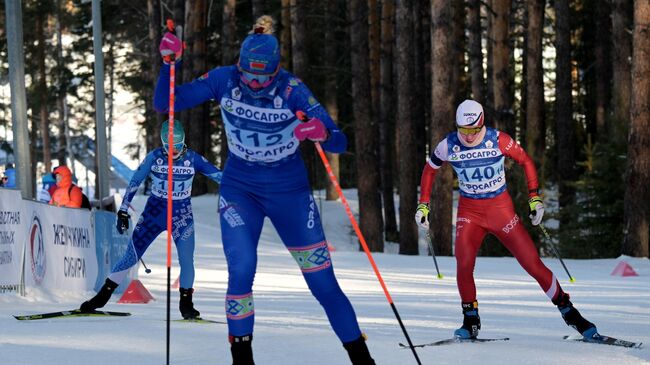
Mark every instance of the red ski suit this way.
pixel 485 205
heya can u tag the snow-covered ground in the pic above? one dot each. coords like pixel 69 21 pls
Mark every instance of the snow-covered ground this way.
pixel 291 328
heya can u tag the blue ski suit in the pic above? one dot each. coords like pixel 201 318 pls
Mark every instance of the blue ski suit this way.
pixel 265 176
pixel 153 219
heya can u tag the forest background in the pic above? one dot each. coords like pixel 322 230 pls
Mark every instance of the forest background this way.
pixel 569 80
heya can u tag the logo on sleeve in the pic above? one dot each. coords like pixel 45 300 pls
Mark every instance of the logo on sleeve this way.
pixel 159 161
pixel 236 93
pixel 277 102
pixel 228 105
pixel 489 144
pixel 204 76
pixel 287 92
pixel 186 163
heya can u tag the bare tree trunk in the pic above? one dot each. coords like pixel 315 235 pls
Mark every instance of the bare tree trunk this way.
pixel 110 65
pixel 61 93
pixel 365 129
pixel 386 122
pixel 602 67
pixel 442 100
pixel 285 34
pixel 199 128
pixel 228 56
pixel 179 14
pixel 42 87
pixel 330 102
pixel 476 50
pixel 488 107
pixel 299 38
pixel 374 34
pixel 258 8
pixel 300 63
pixel 405 125
pixel 637 192
pixel 33 129
pixel 418 87
pixel 459 76
pixel 565 130
pixel 621 66
pixel 535 124
pixel 153 119
pixel 503 116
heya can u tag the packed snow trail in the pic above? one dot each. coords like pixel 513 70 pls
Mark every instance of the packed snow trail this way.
pixel 291 327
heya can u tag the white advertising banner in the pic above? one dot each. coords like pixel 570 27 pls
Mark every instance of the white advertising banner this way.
pixel 12 236
pixel 60 248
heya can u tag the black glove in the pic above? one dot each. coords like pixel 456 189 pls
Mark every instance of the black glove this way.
pixel 122 221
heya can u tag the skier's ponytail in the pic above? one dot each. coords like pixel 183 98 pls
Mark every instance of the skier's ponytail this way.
pixel 264 25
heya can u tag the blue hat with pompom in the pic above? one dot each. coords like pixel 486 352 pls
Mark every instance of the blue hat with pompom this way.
pixel 260 54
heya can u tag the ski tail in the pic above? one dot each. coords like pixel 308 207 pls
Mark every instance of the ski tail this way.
pixel 70 313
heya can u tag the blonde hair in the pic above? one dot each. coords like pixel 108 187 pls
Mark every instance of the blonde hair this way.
pixel 264 25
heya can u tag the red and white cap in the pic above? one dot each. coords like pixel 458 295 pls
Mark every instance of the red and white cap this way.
pixel 469 114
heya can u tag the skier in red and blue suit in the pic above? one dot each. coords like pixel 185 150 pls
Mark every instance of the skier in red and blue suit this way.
pixel 477 155
pixel 153 219
pixel 265 176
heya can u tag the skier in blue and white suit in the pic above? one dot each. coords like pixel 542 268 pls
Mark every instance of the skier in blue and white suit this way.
pixel 153 219
pixel 265 176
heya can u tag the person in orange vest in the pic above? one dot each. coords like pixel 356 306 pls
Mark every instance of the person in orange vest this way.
pixel 67 194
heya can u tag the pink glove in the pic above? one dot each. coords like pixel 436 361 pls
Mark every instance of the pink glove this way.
pixel 170 45
pixel 314 130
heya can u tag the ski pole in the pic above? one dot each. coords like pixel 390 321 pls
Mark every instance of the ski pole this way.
pixel 433 254
pixel 146 269
pixel 556 252
pixel 170 163
pixel 303 117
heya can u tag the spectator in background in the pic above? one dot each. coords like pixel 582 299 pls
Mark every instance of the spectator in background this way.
pixel 66 194
pixel 9 178
pixel 47 188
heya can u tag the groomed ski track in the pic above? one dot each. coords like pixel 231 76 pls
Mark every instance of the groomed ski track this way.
pixel 291 328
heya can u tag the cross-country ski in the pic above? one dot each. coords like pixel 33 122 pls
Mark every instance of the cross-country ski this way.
pixel 604 340
pixel 453 340
pixel 70 313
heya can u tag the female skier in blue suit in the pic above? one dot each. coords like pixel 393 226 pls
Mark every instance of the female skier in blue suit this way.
pixel 265 176
pixel 153 219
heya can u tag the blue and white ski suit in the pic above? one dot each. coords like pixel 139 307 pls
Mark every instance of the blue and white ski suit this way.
pixel 153 219
pixel 265 176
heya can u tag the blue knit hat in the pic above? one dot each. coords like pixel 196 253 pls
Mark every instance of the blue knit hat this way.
pixel 260 54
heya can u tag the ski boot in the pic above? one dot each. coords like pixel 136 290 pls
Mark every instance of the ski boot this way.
pixel 573 318
pixel 241 350
pixel 100 299
pixel 185 304
pixel 471 321
pixel 358 351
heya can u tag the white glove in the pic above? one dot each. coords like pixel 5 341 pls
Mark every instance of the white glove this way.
pixel 422 215
pixel 536 207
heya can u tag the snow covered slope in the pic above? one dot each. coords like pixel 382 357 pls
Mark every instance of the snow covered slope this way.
pixel 291 328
